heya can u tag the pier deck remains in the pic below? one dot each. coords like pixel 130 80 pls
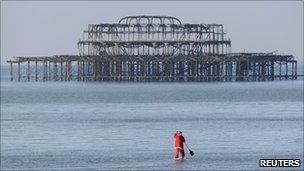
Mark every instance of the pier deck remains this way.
pixel 154 48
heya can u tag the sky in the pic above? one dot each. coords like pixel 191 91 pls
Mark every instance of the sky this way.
pixel 36 28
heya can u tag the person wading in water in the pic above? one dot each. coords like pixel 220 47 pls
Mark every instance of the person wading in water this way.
pixel 179 144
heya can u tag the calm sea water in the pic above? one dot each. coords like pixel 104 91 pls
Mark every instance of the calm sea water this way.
pixel 94 126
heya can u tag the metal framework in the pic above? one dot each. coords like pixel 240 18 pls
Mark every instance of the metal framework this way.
pixel 157 48
pixel 153 36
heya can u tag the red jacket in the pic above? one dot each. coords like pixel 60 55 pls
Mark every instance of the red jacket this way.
pixel 179 140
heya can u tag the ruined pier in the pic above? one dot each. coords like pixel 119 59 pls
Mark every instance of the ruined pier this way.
pixel 154 48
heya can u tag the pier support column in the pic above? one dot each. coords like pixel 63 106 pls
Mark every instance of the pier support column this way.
pixel 45 67
pixel 69 70
pixel 280 76
pixel 43 70
pixel 11 73
pixel 292 70
pixel 36 70
pixel 66 71
pixel 55 76
pixel 83 70
pixel 247 70
pixel 263 71
pixel 88 71
pixel 28 70
pixel 50 73
pixel 78 71
pixel 296 71
pixel 226 71
pixel 61 71
pixel 272 70
pixel 286 70
pixel 19 76
pixel 95 70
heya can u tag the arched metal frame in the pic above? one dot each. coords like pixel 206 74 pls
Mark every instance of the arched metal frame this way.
pixel 153 35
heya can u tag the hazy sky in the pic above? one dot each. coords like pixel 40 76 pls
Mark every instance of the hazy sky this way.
pixel 50 28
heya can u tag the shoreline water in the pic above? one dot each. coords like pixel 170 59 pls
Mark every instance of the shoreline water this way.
pixel 119 126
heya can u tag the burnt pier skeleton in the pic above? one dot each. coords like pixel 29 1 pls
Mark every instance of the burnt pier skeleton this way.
pixel 154 48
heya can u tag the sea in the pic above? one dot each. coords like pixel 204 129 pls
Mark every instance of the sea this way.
pixel 130 126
